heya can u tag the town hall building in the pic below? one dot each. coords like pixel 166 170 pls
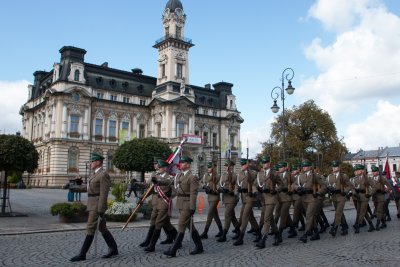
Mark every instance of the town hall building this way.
pixel 79 108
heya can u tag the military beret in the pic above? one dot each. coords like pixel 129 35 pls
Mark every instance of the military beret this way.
pixel 276 167
pixel 230 163
pixel 162 163
pixel 243 161
pixel 358 167
pixel 374 169
pixel 335 163
pixel 265 159
pixel 155 160
pixel 306 163
pixel 185 159
pixel 96 157
pixel 282 164
pixel 209 164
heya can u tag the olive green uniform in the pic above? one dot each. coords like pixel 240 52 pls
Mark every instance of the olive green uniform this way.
pixel 246 188
pixel 227 186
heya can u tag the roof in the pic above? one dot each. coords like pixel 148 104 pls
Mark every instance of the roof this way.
pixel 173 4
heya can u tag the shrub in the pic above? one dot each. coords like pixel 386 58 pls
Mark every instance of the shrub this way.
pixel 15 177
pixel 118 191
pixel 68 209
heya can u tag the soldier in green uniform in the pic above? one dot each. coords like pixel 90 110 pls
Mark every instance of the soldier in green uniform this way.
pixel 267 181
pixel 311 186
pixel 170 231
pixel 361 195
pixel 338 185
pixel 98 187
pixel 297 201
pixel 247 189
pixel 186 185
pixel 210 185
pixel 377 183
pixel 284 198
pixel 227 187
pixel 164 187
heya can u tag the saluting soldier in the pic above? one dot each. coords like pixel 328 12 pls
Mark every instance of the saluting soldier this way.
pixel 378 183
pixel 338 185
pixel 210 185
pixel 186 186
pixel 284 198
pixel 247 189
pixel 267 181
pixel 311 186
pixel 164 187
pixel 361 195
pixel 98 187
pixel 170 231
pixel 227 187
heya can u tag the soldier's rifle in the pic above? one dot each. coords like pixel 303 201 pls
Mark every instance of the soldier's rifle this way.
pixel 136 209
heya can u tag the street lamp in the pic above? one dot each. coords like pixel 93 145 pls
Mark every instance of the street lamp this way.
pixel 277 91
pixel 86 171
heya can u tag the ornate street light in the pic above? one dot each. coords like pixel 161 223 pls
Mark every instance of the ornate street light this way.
pixel 277 92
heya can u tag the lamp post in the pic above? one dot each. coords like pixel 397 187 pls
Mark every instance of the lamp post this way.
pixel 277 92
pixel 86 172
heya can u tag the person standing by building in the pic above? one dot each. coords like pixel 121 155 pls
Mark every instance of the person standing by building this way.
pixel 78 187
pixel 210 185
pixel 227 187
pixel 186 185
pixel 98 187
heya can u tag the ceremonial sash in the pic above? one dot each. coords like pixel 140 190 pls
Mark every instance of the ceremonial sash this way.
pixel 166 199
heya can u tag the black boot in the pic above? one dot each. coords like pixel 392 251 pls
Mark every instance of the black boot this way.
pixel 383 224
pixel 152 246
pixel 177 244
pixel 333 230
pixel 344 231
pixel 251 231
pixel 371 227
pixel 221 230
pixel 261 242
pixel 223 236
pixel 377 226
pixel 197 241
pixel 258 235
pixel 204 235
pixel 276 239
pixel 171 235
pixel 315 235
pixel 236 236
pixel 112 246
pixel 239 240
pixel 293 232
pixel 85 247
pixel 236 230
pixel 356 228
pixel 303 238
pixel 150 233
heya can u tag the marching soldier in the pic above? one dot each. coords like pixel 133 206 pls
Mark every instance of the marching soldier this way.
pixel 297 201
pixel 267 181
pixel 311 186
pixel 377 183
pixel 186 185
pixel 284 198
pixel 320 214
pixel 170 231
pixel 163 184
pixel 227 187
pixel 361 196
pixel 338 185
pixel 246 188
pixel 98 188
pixel 210 184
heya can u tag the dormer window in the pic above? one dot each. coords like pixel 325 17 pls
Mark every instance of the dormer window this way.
pixel 179 68
pixel 76 76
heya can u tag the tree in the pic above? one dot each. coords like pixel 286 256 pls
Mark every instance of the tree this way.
pixel 310 134
pixel 138 154
pixel 16 154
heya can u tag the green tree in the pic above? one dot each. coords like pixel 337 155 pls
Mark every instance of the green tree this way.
pixel 310 133
pixel 138 154
pixel 16 154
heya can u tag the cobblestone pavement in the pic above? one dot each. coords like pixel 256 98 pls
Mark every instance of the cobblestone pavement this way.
pixel 56 248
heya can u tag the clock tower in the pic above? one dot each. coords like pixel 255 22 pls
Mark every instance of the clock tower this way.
pixel 173 55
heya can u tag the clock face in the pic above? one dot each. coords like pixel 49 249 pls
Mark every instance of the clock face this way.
pixel 178 12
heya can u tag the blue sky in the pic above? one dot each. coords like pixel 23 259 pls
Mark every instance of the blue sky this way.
pixel 345 54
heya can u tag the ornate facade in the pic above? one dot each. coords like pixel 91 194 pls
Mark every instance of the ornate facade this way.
pixel 78 108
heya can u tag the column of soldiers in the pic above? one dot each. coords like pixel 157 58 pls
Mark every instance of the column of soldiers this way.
pixel 277 189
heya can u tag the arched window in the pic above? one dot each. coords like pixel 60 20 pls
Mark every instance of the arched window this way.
pixel 76 75
pixel 73 154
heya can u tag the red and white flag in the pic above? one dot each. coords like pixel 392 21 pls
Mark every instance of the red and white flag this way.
pixel 173 159
pixel 387 168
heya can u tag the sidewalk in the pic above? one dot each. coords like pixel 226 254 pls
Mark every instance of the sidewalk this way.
pixel 36 203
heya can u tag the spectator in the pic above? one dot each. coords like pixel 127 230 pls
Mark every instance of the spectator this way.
pixel 78 183
pixel 132 187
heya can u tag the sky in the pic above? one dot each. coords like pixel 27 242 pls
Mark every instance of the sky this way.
pixel 345 55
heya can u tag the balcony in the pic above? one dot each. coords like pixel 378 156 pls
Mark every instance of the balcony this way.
pixel 173 36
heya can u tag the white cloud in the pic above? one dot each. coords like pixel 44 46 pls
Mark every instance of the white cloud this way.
pixel 254 137
pixel 13 95
pixel 362 64
pixel 379 129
